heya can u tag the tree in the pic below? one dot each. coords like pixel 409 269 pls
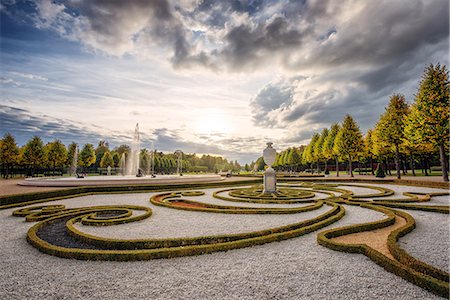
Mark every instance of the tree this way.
pixel 318 153
pixel 107 160
pixel 349 141
pixel 260 163
pixel 9 152
pixel 56 153
pixel 34 154
pixel 122 149
pixel 430 112
pixel 391 125
pixel 116 158
pixel 87 155
pixel 102 147
pixel 327 147
pixel 294 157
pixel 308 154
pixel 368 148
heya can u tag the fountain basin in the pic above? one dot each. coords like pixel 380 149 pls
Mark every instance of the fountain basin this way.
pixel 119 180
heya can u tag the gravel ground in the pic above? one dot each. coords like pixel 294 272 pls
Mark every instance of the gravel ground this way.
pixel 399 189
pixel 430 240
pixel 294 269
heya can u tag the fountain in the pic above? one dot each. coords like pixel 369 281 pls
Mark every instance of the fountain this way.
pixel 74 165
pixel 132 164
pixel 122 164
pixel 131 173
pixel 179 155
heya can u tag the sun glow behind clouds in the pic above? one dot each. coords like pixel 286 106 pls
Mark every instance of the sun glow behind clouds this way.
pixel 212 121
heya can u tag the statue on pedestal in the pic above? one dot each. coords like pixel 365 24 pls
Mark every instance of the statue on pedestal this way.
pixel 270 180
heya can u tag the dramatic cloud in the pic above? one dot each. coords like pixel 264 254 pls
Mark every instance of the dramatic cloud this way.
pixel 281 69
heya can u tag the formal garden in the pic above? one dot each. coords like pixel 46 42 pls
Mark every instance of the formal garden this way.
pixel 304 237
pixel 309 239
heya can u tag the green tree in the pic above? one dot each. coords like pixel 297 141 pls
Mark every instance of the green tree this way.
pixel 260 164
pixel 9 153
pixel 122 149
pixel 34 154
pixel 107 160
pixel 116 158
pixel 101 149
pixel 430 112
pixel 349 141
pixel 87 156
pixel 294 158
pixel 308 154
pixel 391 125
pixel 368 148
pixel 56 153
pixel 327 147
pixel 318 153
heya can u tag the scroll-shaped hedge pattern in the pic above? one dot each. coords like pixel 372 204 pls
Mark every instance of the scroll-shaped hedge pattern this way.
pixel 56 233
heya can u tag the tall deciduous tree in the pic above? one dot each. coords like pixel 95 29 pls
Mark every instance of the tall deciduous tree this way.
pixel 9 152
pixel 327 147
pixel 349 141
pixel 34 154
pixel 368 148
pixel 56 153
pixel 430 112
pixel 318 153
pixel 294 157
pixel 391 125
pixel 101 149
pixel 308 154
pixel 116 158
pixel 87 155
pixel 107 160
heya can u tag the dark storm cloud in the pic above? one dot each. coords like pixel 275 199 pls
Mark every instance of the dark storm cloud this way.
pixel 355 54
pixel 246 35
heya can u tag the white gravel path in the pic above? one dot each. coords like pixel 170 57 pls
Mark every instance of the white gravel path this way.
pixel 399 189
pixel 294 269
pixel 430 240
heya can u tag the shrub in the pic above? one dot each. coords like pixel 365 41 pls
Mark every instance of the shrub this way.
pixel 380 172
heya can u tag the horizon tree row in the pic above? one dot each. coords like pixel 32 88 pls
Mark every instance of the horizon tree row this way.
pixel 409 134
pixel 55 158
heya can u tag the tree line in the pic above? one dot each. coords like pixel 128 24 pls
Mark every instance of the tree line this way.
pixel 408 134
pixel 54 158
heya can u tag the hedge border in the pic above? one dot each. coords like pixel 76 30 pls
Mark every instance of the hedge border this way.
pixel 167 200
pixel 407 272
pixel 127 255
pixel 19 200
pixel 177 242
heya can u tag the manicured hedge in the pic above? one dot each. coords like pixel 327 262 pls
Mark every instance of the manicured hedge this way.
pixel 33 198
pixel 414 271
pixel 245 240
pixel 172 199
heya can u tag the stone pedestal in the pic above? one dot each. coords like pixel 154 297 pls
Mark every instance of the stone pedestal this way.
pixel 270 181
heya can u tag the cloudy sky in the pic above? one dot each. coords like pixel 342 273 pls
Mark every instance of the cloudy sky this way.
pixel 218 77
